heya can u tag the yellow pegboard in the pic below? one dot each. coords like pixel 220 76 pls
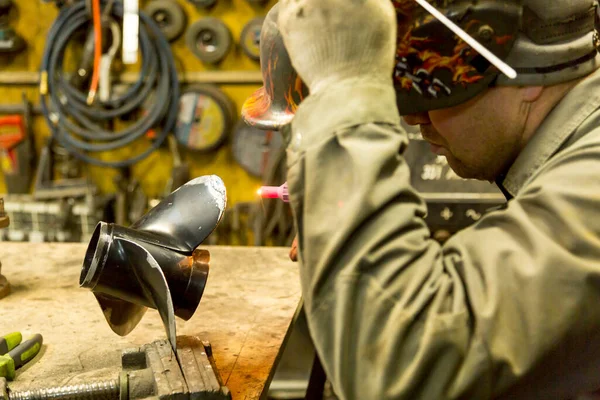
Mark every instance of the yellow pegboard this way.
pixel 34 20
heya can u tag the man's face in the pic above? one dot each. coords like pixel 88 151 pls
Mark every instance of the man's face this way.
pixel 480 138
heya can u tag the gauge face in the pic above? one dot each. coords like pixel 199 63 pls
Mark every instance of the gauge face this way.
pixel 202 122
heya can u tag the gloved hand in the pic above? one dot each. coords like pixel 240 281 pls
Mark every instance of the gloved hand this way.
pixel 334 41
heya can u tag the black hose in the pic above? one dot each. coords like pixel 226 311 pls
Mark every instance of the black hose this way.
pixel 79 127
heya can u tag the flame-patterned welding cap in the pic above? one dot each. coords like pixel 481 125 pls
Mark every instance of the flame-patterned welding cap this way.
pixel 437 69
pixel 546 43
pixel 434 68
pixel 275 104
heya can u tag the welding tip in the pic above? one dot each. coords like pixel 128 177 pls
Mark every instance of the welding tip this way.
pixel 275 192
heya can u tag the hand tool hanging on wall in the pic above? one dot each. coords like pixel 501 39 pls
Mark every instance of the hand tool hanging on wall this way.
pixel 205 118
pixel 252 148
pixel 181 170
pixel 250 38
pixel 14 154
pixel 79 127
pixel 10 41
pixel 16 149
pixel 156 262
pixel 106 61
pixel 48 187
pixel 209 39
pixel 169 16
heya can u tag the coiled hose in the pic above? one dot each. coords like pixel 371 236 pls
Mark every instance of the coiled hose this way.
pixel 79 127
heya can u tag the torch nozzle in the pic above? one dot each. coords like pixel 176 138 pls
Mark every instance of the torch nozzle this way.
pixel 275 192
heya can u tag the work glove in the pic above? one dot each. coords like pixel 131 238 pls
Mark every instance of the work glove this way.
pixel 333 42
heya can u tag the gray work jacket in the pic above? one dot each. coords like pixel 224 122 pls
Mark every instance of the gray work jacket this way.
pixel 507 309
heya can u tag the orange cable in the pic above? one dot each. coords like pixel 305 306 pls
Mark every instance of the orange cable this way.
pixel 97 51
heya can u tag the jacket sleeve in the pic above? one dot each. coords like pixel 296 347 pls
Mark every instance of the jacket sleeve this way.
pixel 508 308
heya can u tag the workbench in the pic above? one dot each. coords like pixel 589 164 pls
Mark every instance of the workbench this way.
pixel 250 301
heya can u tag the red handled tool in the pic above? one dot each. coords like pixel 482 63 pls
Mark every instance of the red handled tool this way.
pixel 15 153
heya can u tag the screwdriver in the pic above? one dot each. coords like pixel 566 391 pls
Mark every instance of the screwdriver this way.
pixel 9 342
pixel 20 355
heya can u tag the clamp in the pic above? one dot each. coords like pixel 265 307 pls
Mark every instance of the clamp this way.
pixel 149 372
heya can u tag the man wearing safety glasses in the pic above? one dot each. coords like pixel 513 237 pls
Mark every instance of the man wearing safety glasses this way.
pixel 506 309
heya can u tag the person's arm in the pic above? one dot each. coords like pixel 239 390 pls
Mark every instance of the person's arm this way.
pixel 508 308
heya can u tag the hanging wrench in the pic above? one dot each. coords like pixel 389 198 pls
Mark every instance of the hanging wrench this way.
pixel 106 61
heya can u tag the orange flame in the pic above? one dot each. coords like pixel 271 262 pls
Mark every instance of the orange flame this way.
pixel 295 88
pixel 257 104
pixel 260 102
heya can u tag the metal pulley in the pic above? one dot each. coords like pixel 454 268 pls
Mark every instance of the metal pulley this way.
pixel 209 39
pixel 253 148
pixel 169 16
pixel 203 3
pixel 205 118
pixel 250 38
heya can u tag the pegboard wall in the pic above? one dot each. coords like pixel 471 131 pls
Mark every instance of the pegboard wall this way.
pixel 238 76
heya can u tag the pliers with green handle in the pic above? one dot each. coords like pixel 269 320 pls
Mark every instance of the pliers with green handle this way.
pixel 14 354
pixel 9 342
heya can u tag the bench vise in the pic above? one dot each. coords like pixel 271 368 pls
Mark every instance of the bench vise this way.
pixel 150 372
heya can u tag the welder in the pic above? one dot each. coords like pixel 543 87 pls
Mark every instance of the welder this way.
pixel 506 309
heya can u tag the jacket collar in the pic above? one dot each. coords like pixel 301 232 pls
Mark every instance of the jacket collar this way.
pixel 553 133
